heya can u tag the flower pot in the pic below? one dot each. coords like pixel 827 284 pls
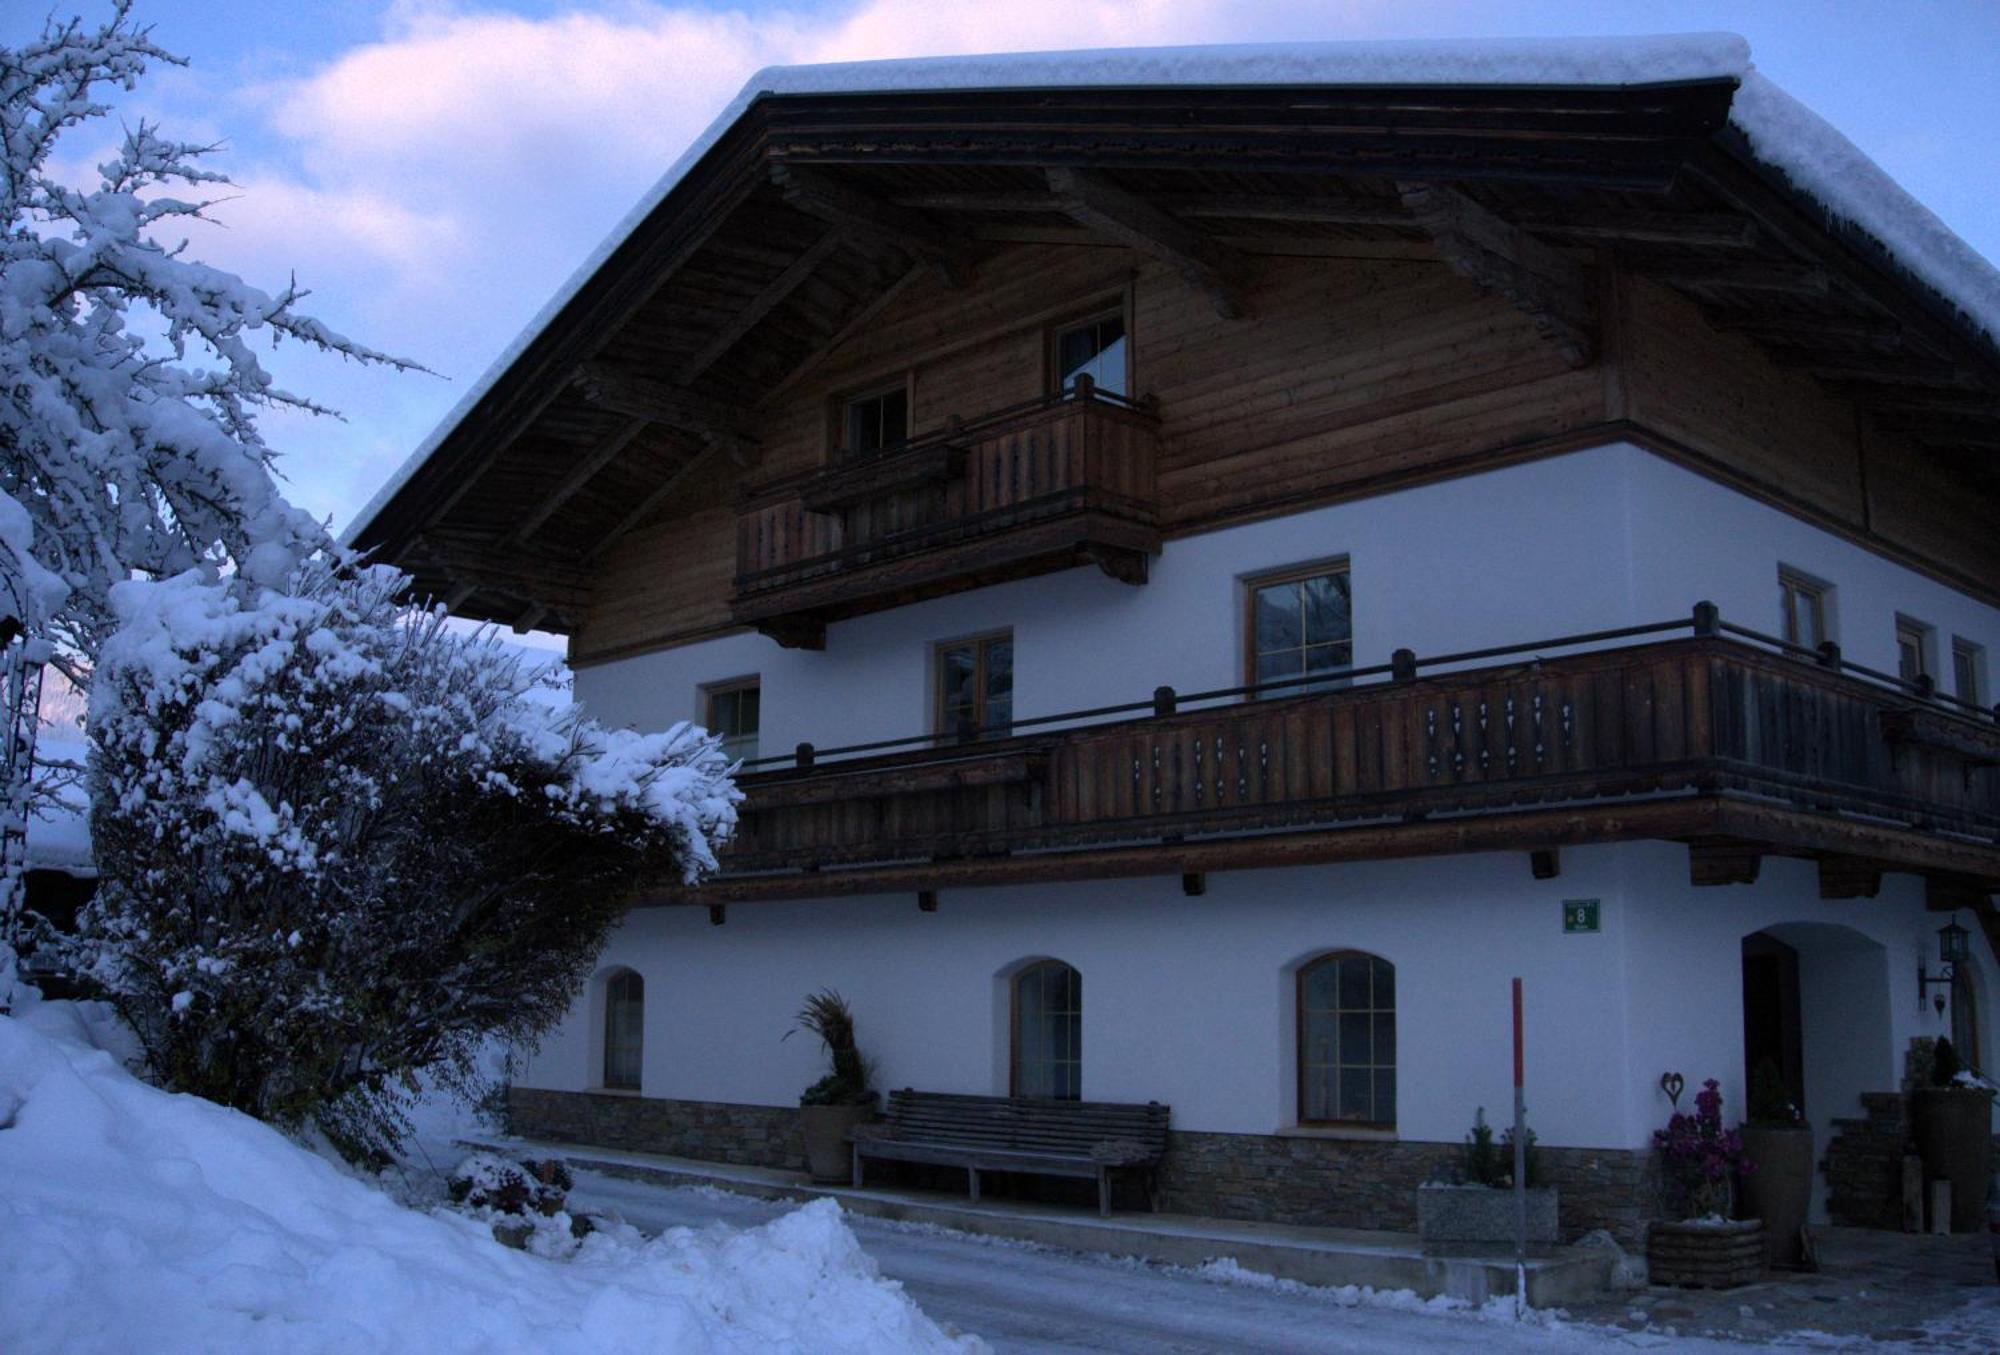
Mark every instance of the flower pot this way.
pixel 825 1129
pixel 1479 1220
pixel 1953 1127
pixel 1706 1253
pixel 1778 1188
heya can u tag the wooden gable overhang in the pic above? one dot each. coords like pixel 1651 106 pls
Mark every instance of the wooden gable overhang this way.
pixel 812 213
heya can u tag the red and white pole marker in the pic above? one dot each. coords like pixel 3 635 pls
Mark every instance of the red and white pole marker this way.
pixel 1520 1167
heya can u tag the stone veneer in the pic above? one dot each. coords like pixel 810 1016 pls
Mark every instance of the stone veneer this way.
pixel 1864 1163
pixel 1313 1180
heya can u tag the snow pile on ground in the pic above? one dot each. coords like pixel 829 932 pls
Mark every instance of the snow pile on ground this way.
pixel 138 1220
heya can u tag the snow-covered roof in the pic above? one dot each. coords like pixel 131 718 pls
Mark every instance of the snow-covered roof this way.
pixel 1780 131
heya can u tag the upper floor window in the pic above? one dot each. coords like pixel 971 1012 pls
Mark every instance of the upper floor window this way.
pixel 1968 671
pixel 1094 348
pixel 1914 640
pixel 1805 606
pixel 624 1028
pixel 1299 622
pixel 1048 1032
pixel 875 419
pixel 731 711
pixel 975 686
pixel 1347 1040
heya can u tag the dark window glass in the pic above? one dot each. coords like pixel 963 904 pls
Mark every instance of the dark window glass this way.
pixel 624 1024
pixel 733 712
pixel 1347 1040
pixel 1965 666
pixel 1301 626
pixel 1048 1032
pixel 1912 651
pixel 1095 348
pixel 1803 605
pixel 877 421
pixel 975 687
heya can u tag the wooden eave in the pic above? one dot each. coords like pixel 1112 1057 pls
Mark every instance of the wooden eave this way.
pixel 641 396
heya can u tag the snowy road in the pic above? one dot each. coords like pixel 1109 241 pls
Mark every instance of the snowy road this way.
pixel 1026 1298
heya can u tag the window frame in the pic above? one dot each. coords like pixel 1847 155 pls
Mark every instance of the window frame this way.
pixel 1299 1044
pixel 612 981
pixel 726 687
pixel 979 641
pixel 839 403
pixel 1791 580
pixel 1119 308
pixel 1248 585
pixel 1014 983
pixel 1924 637
pixel 1975 654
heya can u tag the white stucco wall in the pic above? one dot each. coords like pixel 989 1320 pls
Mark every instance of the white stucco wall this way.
pixel 1190 1000
pixel 1594 539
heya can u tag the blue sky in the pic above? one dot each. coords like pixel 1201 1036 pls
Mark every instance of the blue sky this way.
pixel 434 171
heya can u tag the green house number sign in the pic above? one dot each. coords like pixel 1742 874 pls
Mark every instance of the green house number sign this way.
pixel 1579 915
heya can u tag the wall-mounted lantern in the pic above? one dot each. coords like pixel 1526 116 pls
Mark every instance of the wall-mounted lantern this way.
pixel 1954 948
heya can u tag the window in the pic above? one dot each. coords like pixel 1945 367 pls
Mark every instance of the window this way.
pixel 624 1025
pixel 1804 605
pixel 731 711
pixel 1094 348
pixel 975 686
pixel 1048 1032
pixel 1347 1040
pixel 875 420
pixel 1913 649
pixel 1968 671
pixel 1299 622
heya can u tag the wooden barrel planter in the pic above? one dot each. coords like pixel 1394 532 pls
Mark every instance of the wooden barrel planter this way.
pixel 1704 1254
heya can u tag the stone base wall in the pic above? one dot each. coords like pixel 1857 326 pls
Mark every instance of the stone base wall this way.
pixel 1345 1183
pixel 712 1131
pixel 1334 1183
pixel 1864 1163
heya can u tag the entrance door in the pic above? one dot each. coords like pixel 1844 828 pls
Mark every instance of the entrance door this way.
pixel 1771 1025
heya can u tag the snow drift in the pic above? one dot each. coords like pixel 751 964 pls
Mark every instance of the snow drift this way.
pixel 139 1220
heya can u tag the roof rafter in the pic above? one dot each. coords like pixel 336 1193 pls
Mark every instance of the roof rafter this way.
pixel 580 475
pixel 820 194
pixel 766 301
pixel 640 398
pixel 1092 200
pixel 1548 286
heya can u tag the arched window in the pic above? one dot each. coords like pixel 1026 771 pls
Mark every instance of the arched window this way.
pixel 624 1027
pixel 1048 1031
pixel 1347 1040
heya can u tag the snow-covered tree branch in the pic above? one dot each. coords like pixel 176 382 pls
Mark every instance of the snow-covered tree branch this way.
pixel 342 843
pixel 129 385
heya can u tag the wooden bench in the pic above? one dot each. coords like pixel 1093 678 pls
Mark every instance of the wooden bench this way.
pixel 1017 1134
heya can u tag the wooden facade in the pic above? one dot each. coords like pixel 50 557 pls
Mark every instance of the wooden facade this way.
pixel 1327 294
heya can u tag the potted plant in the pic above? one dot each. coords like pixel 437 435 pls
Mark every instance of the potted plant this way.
pixel 1699 1245
pixel 832 1106
pixel 1778 1188
pixel 1951 1121
pixel 1471 1209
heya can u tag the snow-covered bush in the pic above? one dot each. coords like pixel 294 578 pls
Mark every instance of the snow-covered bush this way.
pixel 340 842
pixel 129 384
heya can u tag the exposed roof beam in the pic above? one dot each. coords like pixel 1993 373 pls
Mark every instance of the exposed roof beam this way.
pixel 1548 286
pixel 509 569
pixel 1808 328
pixel 530 618
pixel 862 316
pixel 580 475
pixel 822 195
pixel 1864 370
pixel 1092 200
pixel 762 305
pixel 654 498
pixel 641 398
pixel 1966 432
pixel 1979 404
pixel 1708 230
pixel 1764 275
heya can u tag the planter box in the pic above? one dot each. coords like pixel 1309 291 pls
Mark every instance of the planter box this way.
pixel 1706 1255
pixel 1479 1220
pixel 1954 1135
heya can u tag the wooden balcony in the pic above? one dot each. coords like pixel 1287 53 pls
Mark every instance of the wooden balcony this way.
pixel 1721 743
pixel 1024 491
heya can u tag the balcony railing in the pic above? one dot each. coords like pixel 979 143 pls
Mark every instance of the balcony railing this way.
pixel 1036 487
pixel 1625 713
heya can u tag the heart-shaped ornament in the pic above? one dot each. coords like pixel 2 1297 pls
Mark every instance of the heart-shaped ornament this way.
pixel 1671 1084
